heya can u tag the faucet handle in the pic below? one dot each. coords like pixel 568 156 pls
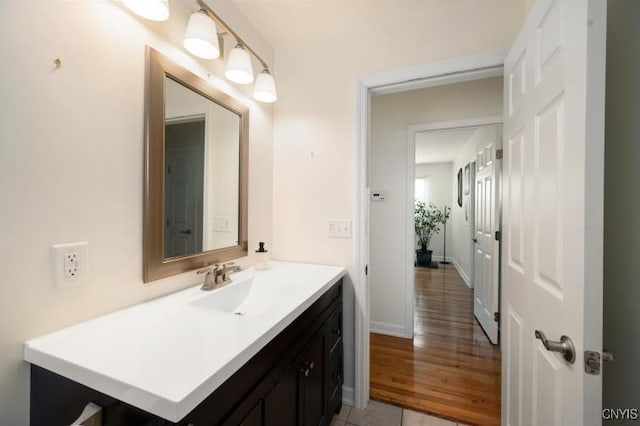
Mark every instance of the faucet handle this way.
pixel 226 265
pixel 204 270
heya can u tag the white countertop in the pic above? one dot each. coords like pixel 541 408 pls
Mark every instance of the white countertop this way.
pixel 167 355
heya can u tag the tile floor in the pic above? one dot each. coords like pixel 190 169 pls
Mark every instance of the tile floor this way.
pixel 380 414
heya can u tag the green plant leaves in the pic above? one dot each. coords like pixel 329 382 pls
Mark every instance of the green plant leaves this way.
pixel 428 220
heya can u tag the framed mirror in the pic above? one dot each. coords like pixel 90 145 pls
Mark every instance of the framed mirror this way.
pixel 196 172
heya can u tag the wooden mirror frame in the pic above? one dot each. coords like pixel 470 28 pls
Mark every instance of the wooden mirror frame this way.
pixel 155 264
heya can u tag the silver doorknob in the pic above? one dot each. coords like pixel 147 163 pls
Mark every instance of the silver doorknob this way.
pixel 564 346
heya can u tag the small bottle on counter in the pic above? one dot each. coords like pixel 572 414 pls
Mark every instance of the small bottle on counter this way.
pixel 263 257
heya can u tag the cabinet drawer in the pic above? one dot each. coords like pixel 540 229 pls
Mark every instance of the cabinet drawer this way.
pixel 335 330
pixel 334 379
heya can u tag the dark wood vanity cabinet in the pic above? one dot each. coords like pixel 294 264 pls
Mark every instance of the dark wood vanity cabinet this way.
pixel 296 379
pixel 304 385
pixel 308 392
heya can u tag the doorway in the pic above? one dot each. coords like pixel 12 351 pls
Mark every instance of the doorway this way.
pixel 451 71
pixel 423 372
pixel 184 175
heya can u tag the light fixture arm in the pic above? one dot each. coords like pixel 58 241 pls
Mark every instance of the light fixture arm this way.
pixel 228 29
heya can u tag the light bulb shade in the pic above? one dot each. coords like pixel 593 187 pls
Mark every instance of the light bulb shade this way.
pixel 239 69
pixel 154 10
pixel 265 88
pixel 201 37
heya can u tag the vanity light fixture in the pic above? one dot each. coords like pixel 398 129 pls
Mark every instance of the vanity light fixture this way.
pixel 265 88
pixel 154 10
pixel 239 69
pixel 202 40
pixel 201 37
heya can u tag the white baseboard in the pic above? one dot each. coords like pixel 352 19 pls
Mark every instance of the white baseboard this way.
pixel 388 329
pixel 464 276
pixel 347 396
pixel 441 258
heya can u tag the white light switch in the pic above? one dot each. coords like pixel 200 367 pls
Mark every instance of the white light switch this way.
pixel 222 224
pixel 339 228
pixel 69 264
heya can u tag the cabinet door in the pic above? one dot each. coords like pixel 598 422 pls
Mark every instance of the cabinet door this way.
pixel 311 375
pixel 281 403
pixel 254 418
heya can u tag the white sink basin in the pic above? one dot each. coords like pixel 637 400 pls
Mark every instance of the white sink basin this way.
pixel 243 298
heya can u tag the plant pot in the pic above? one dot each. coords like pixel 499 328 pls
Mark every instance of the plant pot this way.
pixel 424 257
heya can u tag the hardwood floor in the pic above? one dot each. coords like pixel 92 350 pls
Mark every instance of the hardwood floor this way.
pixel 450 369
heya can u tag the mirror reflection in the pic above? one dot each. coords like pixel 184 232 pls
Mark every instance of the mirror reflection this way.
pixel 202 173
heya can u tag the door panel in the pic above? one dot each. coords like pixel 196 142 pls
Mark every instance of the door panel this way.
pixel 552 262
pixel 512 383
pixel 485 287
pixel 548 180
pixel 184 174
pixel 547 388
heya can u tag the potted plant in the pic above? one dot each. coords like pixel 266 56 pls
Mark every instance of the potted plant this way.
pixel 428 220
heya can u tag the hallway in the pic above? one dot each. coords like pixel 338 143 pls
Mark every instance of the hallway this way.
pixel 450 369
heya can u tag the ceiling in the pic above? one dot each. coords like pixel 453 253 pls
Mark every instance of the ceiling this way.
pixel 287 22
pixel 441 146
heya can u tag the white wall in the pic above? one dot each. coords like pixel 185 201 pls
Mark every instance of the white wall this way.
pixel 439 189
pixel 622 208
pixel 315 131
pixel 71 164
pixel 463 230
pixel 390 117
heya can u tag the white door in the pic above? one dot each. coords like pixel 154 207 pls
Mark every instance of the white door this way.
pixel 552 210
pixel 184 176
pixel 485 263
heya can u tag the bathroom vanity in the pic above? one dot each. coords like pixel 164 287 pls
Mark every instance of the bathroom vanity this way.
pixel 264 350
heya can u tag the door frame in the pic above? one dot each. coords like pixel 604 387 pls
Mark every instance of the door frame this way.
pixel 402 79
pixel 412 131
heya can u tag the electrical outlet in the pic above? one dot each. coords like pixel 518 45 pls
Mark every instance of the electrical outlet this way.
pixel 69 264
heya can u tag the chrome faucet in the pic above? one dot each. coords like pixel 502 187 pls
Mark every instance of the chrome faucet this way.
pixel 218 276
pixel 209 279
pixel 223 277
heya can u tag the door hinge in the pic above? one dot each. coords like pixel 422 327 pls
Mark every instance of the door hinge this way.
pixel 496 316
pixel 366 269
pixel 498 235
pixel 499 154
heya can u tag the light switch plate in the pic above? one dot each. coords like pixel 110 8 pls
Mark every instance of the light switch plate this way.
pixel 339 228
pixel 377 196
pixel 222 224
pixel 69 264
